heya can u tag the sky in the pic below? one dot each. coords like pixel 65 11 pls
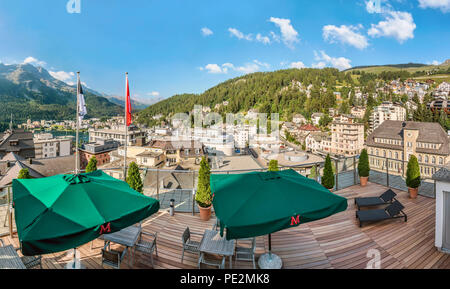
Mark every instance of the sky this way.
pixel 187 46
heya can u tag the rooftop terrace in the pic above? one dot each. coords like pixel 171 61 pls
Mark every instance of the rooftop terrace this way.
pixel 335 242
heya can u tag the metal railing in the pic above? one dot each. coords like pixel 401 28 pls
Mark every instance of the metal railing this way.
pixel 180 185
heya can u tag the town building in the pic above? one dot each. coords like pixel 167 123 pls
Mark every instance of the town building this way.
pixel 386 111
pixel 347 136
pixel 393 142
pixel 17 141
pixel 438 104
pixel 358 111
pixel 117 133
pixel 100 149
pixel 298 119
pixel 46 146
pixel 315 117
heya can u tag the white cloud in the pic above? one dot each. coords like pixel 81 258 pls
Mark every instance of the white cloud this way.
pixel 154 94
pixel 215 69
pixel 346 35
pixel 206 31
pixel 376 6
pixel 298 65
pixel 239 35
pixel 397 24
pixel 263 39
pixel 288 34
pixel 340 63
pixel 444 5
pixel 67 77
pixel 32 60
pixel 247 68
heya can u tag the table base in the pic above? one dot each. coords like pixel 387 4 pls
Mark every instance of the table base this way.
pixel 270 261
pixel 78 265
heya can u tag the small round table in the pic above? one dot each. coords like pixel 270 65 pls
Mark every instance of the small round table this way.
pixel 270 261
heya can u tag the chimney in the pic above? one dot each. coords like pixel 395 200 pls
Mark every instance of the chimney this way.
pixel 30 161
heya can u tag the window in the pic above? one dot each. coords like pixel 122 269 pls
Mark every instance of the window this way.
pixel 376 152
pixel 433 160
pixel 390 154
pixel 441 161
pixel 420 158
pixel 426 159
pixel 396 155
pixel 384 153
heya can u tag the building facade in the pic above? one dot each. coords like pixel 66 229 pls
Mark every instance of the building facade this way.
pixel 100 149
pixel 386 111
pixel 347 137
pixel 117 133
pixel 46 146
pixel 391 145
pixel 17 141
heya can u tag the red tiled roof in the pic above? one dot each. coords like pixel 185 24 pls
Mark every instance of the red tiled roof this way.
pixel 309 127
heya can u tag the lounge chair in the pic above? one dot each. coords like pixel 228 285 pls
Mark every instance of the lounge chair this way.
pixel 393 211
pixel 386 198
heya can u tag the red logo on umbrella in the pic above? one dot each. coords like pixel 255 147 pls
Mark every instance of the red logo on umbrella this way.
pixel 105 229
pixel 295 220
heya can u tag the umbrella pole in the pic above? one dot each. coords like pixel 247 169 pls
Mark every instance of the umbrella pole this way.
pixel 270 245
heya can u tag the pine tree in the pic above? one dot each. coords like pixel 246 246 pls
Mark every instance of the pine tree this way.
pixel 92 165
pixel 24 174
pixel 203 196
pixel 273 166
pixel 134 178
pixel 328 176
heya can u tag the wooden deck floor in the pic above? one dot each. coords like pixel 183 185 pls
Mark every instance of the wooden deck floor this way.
pixel 335 242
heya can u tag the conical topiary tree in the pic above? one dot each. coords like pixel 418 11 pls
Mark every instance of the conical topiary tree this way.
pixel 134 178
pixel 328 176
pixel 273 166
pixel 203 196
pixel 92 165
pixel 413 173
pixel 363 164
pixel 24 174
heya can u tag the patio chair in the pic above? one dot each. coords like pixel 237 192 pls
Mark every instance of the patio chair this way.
pixel 393 211
pixel 204 259
pixel 112 258
pixel 188 244
pixel 216 225
pixel 386 198
pixel 146 246
pixel 246 253
pixel 32 261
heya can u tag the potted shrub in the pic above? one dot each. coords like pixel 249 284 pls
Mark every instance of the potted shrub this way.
pixel 413 177
pixel 92 165
pixel 203 196
pixel 273 166
pixel 363 168
pixel 328 176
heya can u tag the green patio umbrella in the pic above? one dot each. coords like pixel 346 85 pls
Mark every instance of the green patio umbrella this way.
pixel 65 211
pixel 261 203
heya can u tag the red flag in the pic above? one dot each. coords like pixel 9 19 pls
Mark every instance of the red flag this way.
pixel 128 104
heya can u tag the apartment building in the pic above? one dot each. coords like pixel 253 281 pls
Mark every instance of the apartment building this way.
pixel 358 111
pixel 47 146
pixel 100 149
pixel 17 141
pixel 347 136
pixel 386 111
pixel 393 142
pixel 117 133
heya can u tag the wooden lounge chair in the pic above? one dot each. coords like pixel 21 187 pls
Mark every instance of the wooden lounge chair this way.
pixel 386 198
pixel 393 211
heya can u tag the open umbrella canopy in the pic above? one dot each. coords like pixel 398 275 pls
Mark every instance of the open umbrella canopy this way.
pixel 65 211
pixel 261 203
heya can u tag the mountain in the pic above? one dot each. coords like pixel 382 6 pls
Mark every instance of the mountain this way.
pixel 135 104
pixel 30 92
pixel 410 67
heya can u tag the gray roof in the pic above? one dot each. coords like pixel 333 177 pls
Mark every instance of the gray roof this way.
pixel 429 132
pixel 443 174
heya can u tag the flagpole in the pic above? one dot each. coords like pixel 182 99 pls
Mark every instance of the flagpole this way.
pixel 126 128
pixel 77 161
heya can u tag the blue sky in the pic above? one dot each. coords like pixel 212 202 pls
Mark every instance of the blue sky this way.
pixel 171 47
